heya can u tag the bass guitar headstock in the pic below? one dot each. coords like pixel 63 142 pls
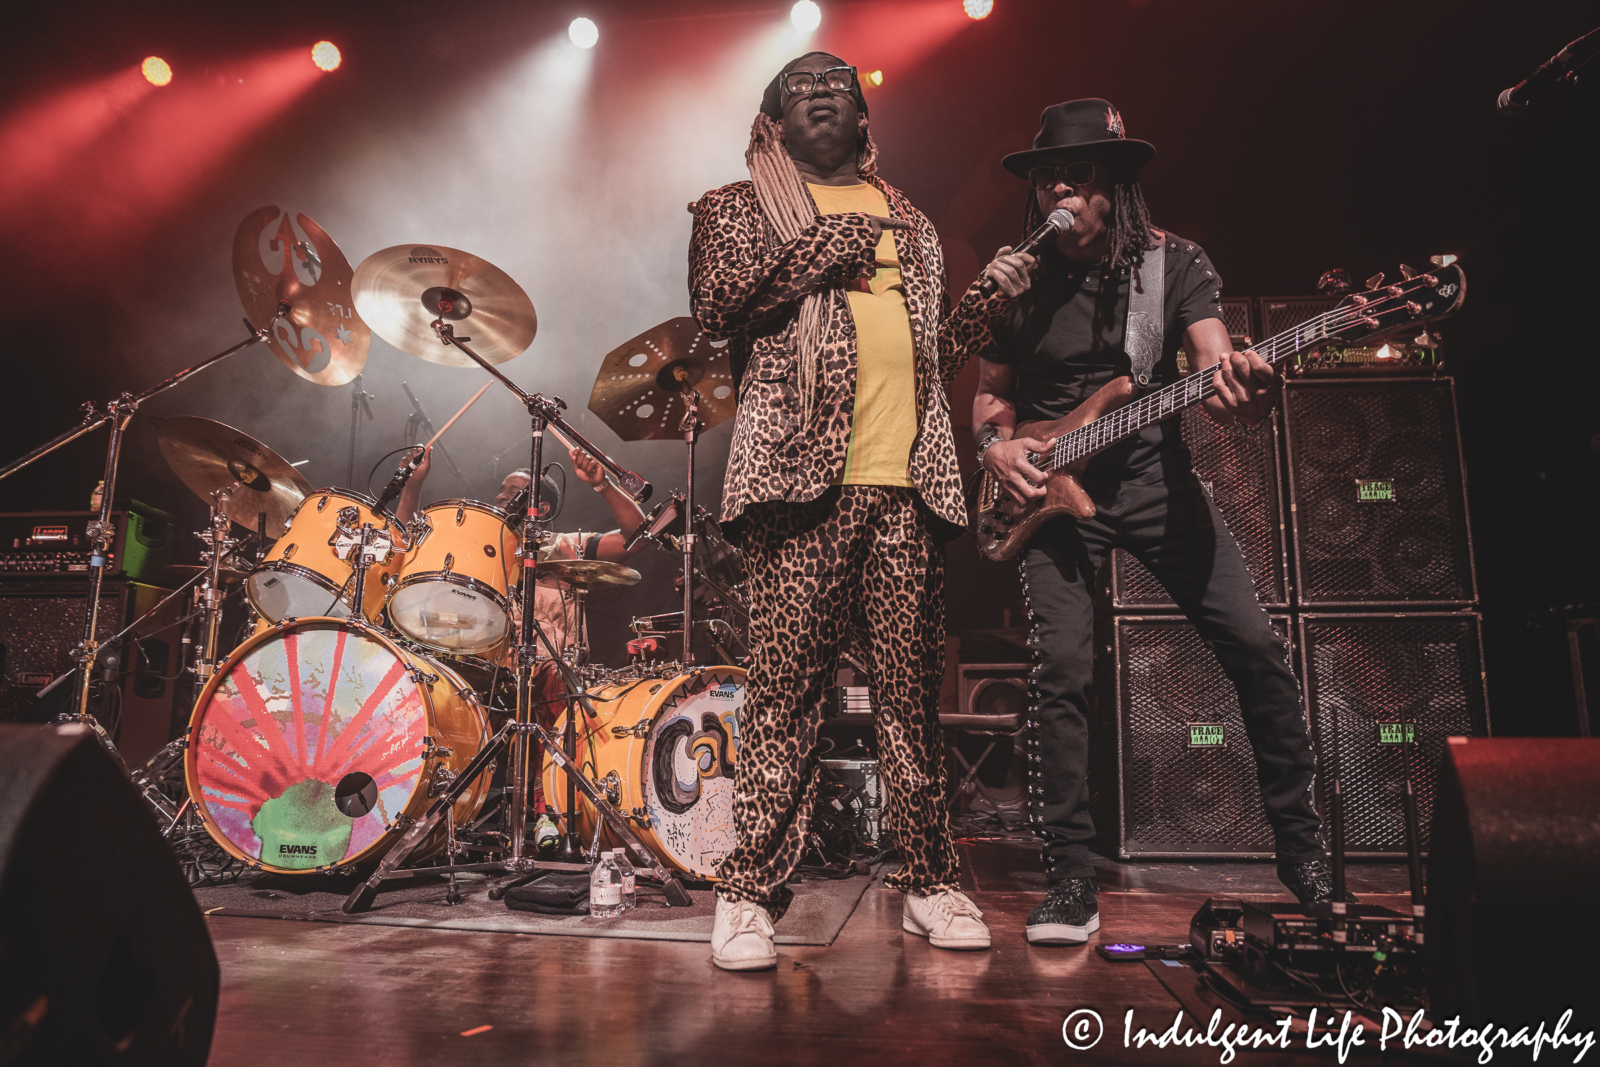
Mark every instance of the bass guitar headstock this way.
pixel 1416 298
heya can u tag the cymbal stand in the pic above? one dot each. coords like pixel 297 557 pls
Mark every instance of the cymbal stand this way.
pixel 211 591
pixel 541 411
pixel 118 413
pixel 690 428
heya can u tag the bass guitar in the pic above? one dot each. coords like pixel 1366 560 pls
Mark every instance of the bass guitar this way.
pixel 1111 413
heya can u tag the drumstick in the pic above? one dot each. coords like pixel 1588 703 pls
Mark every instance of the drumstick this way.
pixel 458 414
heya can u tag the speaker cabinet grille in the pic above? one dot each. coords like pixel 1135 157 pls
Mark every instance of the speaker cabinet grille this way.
pixel 1370 681
pixel 1279 313
pixel 1379 510
pixel 1241 473
pixel 1156 792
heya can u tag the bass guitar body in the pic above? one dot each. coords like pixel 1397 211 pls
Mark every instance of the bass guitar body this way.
pixel 1004 526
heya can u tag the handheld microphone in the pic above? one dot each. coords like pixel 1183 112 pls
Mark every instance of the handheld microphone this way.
pixel 1558 68
pixel 1060 221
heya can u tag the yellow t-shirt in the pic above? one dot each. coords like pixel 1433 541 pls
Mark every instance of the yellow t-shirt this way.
pixel 885 424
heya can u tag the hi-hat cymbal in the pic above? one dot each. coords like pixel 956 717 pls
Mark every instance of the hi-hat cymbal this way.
pixel 211 457
pixel 282 258
pixel 639 390
pixel 588 573
pixel 402 290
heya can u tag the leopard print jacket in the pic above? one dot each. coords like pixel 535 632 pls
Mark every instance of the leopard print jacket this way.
pixel 745 287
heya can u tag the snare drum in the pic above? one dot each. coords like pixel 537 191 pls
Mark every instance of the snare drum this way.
pixel 315 737
pixel 455 584
pixel 304 574
pixel 665 750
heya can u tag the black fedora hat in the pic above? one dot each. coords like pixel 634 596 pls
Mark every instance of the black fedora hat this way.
pixel 1080 129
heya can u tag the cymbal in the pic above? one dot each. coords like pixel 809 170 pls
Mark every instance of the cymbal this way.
pixel 210 456
pixel 401 290
pixel 588 573
pixel 278 258
pixel 639 390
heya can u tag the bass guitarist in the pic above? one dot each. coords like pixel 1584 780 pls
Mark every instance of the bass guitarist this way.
pixel 1064 335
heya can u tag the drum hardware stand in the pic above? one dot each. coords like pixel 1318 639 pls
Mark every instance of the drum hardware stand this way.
pixel 541 411
pixel 359 402
pixel 118 413
pixel 690 428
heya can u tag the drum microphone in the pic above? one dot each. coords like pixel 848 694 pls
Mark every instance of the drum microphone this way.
pixel 398 482
pixel 1060 221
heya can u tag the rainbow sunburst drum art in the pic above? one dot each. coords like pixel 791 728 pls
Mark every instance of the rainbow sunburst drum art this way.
pixel 316 735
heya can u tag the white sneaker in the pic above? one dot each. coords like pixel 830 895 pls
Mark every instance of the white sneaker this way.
pixel 947 918
pixel 741 937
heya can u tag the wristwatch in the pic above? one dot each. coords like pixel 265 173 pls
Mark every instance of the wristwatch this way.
pixel 988 441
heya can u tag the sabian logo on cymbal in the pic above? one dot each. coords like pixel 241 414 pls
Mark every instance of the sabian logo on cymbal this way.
pixel 424 254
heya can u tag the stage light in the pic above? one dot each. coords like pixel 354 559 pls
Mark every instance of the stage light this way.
pixel 155 71
pixel 875 77
pixel 584 33
pixel 325 54
pixel 977 9
pixel 806 16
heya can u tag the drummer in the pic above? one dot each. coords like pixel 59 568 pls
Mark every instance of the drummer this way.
pixel 554 612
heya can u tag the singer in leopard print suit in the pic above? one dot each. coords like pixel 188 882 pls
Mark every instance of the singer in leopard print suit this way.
pixel 841 485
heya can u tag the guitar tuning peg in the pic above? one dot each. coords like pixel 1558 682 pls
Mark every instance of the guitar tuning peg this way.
pixel 1407 272
pixel 1375 281
pixel 1441 261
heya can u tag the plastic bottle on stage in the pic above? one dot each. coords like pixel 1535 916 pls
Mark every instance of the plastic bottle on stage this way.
pixel 605 888
pixel 630 887
pixel 546 835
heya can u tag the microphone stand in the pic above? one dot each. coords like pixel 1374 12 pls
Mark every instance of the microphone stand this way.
pixel 118 413
pixel 542 412
pixel 418 419
pixel 358 403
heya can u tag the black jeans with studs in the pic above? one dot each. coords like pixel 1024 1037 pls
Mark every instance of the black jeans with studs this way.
pixel 1168 521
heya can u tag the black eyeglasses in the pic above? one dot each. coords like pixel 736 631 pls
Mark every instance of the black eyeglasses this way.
pixel 1078 172
pixel 839 79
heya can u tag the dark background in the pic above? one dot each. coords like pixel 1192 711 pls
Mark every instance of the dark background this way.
pixel 1290 138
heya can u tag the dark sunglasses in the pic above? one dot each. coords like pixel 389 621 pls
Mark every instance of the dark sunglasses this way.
pixel 1078 172
pixel 839 79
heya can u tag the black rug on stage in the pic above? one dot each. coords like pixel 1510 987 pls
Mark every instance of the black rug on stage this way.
pixel 818 913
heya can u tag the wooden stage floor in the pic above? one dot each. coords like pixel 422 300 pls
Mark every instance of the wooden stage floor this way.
pixel 298 994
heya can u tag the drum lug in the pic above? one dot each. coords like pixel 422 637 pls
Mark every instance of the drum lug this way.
pixel 401 822
pixel 421 677
pixel 442 777
pixel 640 729
pixel 433 750
pixel 612 784
pixel 642 817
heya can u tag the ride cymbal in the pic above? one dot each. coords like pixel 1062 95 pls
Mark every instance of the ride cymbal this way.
pixel 639 390
pixel 210 456
pixel 402 290
pixel 588 573
pixel 279 258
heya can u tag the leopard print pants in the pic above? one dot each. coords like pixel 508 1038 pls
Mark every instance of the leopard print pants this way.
pixel 862 560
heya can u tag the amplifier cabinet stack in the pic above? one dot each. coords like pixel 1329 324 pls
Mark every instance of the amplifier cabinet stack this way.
pixel 1351 512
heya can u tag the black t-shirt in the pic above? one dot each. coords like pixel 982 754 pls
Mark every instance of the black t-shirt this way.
pixel 1063 339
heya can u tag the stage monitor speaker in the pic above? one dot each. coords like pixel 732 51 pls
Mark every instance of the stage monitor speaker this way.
pixel 107 958
pixel 41 621
pixel 1172 775
pixel 1512 931
pixel 1241 474
pixel 1377 494
pixel 1383 693
pixel 1280 313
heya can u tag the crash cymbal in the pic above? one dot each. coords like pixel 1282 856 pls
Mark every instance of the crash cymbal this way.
pixel 588 573
pixel 639 390
pixel 401 290
pixel 282 257
pixel 210 456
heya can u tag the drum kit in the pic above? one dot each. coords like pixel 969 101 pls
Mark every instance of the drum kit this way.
pixel 351 731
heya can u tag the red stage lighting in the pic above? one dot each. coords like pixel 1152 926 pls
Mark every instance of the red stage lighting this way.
pixel 977 9
pixel 325 54
pixel 156 71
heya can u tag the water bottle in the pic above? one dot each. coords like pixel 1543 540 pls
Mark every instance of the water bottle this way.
pixel 546 835
pixel 605 888
pixel 630 889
